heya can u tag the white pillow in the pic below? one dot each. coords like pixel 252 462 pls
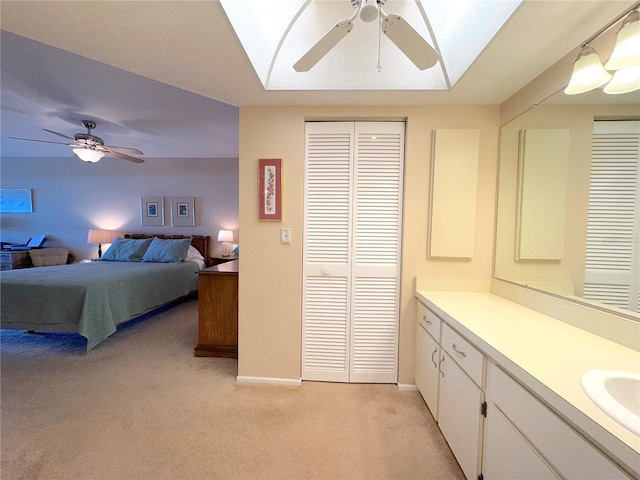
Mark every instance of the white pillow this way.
pixel 195 256
pixel 193 253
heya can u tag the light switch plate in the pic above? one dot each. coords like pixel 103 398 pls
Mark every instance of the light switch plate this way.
pixel 285 235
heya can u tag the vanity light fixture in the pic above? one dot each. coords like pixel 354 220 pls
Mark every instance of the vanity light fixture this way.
pixel 588 72
pixel 88 155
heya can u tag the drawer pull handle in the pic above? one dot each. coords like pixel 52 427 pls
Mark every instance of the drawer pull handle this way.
pixel 428 322
pixel 440 366
pixel 459 352
pixel 433 355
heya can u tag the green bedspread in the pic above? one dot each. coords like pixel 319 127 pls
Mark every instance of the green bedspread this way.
pixel 90 298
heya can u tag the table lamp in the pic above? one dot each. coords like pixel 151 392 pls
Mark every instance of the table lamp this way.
pixel 99 237
pixel 225 236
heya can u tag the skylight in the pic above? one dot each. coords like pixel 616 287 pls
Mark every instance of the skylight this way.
pixel 275 34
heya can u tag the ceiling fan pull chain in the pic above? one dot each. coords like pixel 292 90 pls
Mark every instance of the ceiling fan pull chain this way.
pixel 379 66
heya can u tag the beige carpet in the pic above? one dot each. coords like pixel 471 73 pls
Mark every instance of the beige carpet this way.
pixel 141 406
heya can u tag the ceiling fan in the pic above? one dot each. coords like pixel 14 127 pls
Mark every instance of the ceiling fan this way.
pixel 90 148
pixel 395 27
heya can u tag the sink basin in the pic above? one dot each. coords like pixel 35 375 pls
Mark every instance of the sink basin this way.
pixel 617 394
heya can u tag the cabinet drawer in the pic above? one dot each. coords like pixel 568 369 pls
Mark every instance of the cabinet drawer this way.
pixel 430 321
pixel 567 451
pixel 465 354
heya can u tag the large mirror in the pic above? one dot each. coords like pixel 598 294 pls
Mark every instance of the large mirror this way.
pixel 568 220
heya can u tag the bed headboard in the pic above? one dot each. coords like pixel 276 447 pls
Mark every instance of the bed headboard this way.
pixel 200 242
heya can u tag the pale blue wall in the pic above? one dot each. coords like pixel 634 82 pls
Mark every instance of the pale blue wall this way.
pixel 70 197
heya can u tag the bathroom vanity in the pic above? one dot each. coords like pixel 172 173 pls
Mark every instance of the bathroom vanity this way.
pixel 503 383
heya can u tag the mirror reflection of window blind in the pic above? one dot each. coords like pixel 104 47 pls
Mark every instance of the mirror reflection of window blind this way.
pixel 612 263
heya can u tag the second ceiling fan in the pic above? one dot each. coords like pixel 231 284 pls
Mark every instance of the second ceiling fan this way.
pixel 395 27
pixel 90 148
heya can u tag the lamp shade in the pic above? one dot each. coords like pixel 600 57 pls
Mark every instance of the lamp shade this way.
pixel 626 53
pixel 88 155
pixel 624 81
pixel 588 72
pixel 99 236
pixel 225 236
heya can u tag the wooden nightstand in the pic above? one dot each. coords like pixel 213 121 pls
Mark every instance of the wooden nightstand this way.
pixel 11 260
pixel 219 260
pixel 218 311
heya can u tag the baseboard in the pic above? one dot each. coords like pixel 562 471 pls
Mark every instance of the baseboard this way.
pixel 270 381
pixel 407 387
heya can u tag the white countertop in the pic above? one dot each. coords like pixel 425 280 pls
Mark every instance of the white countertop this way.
pixel 546 355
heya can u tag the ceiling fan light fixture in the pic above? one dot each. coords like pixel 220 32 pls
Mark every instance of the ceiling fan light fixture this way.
pixel 626 53
pixel 88 155
pixel 588 72
pixel 369 10
pixel 624 81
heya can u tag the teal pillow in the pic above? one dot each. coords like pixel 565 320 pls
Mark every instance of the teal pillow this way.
pixel 126 250
pixel 171 250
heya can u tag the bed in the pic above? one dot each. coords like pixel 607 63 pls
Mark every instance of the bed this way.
pixel 137 274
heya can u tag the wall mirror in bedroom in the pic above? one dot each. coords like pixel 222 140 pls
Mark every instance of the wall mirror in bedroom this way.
pixel 568 219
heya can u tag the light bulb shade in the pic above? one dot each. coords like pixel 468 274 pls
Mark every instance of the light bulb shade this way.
pixel 225 236
pixel 624 81
pixel 588 73
pixel 99 236
pixel 88 155
pixel 369 10
pixel 626 53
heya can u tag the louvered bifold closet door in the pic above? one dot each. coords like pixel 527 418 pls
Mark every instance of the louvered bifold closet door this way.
pixel 353 205
pixel 612 264
pixel 378 169
pixel 327 251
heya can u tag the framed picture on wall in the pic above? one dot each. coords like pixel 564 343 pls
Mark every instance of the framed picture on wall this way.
pixel 269 189
pixel 152 211
pixel 15 200
pixel 183 212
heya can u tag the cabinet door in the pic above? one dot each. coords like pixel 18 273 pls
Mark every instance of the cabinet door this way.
pixel 427 355
pixel 506 455
pixel 459 415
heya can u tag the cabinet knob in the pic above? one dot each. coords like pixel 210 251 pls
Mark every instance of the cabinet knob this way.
pixel 428 322
pixel 326 271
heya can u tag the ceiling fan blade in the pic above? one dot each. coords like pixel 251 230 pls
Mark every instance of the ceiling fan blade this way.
pixel 410 42
pixel 133 151
pixel 59 134
pixel 322 47
pixel 41 141
pixel 112 153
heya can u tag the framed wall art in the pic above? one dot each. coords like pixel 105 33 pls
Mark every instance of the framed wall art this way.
pixel 183 212
pixel 152 209
pixel 269 189
pixel 15 200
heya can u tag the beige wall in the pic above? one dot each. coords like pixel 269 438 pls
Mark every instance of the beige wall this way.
pixel 270 305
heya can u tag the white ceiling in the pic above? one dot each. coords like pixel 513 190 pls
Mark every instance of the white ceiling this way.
pixel 166 76
pixel 458 30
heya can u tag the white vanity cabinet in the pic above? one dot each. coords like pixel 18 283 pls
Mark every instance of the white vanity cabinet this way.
pixel 449 376
pixel 506 453
pixel 461 400
pixel 566 452
pixel 427 357
pixel 496 428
